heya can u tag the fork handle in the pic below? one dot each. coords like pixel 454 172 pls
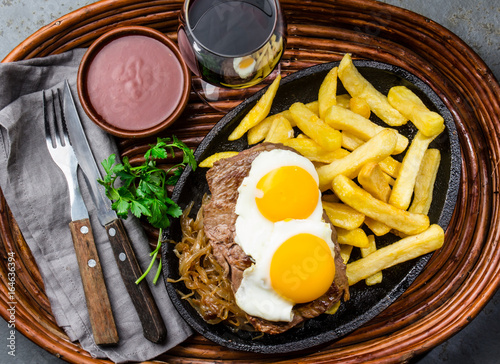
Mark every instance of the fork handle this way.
pixel 152 322
pixel 96 295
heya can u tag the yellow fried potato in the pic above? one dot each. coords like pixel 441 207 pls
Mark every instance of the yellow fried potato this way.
pixel 313 106
pixel 358 86
pixel 313 151
pixel 390 166
pixel 343 216
pixel 371 248
pixel 430 123
pixel 349 141
pixel 401 251
pixel 377 227
pixel 359 126
pixel 209 161
pixel 374 150
pixel 315 128
pixel 360 106
pixel 343 100
pixel 327 92
pixel 403 187
pixel 280 130
pixel 259 131
pixel 424 184
pixel 353 195
pixel 345 252
pixel 258 112
pixel 356 237
pixel 374 181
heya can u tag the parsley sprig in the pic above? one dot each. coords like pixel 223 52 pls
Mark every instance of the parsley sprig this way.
pixel 142 191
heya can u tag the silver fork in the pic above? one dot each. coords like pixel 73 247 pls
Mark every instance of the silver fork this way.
pixel 96 295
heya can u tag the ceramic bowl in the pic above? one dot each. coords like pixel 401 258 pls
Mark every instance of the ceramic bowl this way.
pixel 133 82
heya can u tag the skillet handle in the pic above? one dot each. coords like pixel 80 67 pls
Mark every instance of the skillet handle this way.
pixel 152 323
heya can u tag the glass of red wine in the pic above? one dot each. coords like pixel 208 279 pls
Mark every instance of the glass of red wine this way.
pixel 231 45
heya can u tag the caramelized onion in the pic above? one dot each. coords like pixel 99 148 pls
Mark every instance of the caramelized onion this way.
pixel 211 294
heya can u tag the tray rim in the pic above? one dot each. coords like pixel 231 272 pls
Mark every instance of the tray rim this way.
pixel 27 48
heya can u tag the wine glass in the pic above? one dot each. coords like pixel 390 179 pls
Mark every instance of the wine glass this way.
pixel 231 45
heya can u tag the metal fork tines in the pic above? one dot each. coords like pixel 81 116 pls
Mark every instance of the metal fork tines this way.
pixel 96 295
pixel 62 153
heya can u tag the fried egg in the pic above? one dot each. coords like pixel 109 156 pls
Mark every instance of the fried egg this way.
pixel 295 266
pixel 281 185
pixel 244 66
pixel 280 226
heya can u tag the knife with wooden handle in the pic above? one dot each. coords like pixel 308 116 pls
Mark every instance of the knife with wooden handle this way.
pixel 96 296
pixel 152 323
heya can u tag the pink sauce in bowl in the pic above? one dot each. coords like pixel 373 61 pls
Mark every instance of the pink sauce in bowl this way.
pixel 133 82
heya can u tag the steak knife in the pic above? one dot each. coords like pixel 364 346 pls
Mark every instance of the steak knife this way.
pixel 152 323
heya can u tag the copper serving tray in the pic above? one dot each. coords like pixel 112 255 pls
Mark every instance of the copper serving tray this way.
pixel 458 280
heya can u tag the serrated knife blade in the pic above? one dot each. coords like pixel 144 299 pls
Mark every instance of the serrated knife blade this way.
pixel 153 326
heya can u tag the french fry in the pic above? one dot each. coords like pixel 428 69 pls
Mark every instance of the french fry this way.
pixel 327 92
pixel 209 161
pixel 377 227
pixel 401 251
pixel 360 106
pixel 388 178
pixel 376 149
pixel 258 112
pixel 315 128
pixel 343 100
pixel 356 237
pixel 390 166
pixel 424 184
pixel 280 130
pixel 313 106
pixel 345 252
pixel 371 248
pixel 358 86
pixel 349 141
pixel 374 181
pixel 259 131
pixel 343 216
pixel 353 195
pixel 403 187
pixel 313 151
pixel 411 106
pixel 359 126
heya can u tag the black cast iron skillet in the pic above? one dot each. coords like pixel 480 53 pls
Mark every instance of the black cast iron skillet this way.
pixel 365 302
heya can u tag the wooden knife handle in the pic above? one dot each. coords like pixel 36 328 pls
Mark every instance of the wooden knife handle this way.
pixel 152 323
pixel 96 295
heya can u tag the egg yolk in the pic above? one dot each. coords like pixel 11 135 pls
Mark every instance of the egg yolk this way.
pixel 287 192
pixel 302 268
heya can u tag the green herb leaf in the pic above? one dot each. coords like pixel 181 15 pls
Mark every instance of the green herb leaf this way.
pixel 141 189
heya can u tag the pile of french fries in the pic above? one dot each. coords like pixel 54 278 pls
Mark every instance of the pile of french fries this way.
pixel 364 188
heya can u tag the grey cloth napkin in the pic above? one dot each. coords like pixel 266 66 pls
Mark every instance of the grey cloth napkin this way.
pixel 36 192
